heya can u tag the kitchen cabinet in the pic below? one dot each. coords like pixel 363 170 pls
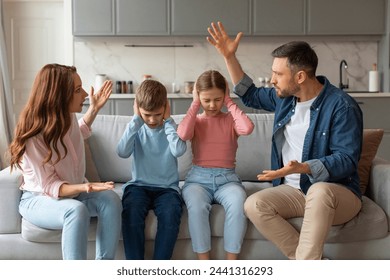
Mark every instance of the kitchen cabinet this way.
pixel 376 115
pixel 120 17
pixel 108 108
pixel 93 17
pixel 346 17
pixel 278 17
pixel 246 109
pixel 191 17
pixel 142 17
pixel 180 105
pixel 123 107
pixel 253 17
pixel 122 104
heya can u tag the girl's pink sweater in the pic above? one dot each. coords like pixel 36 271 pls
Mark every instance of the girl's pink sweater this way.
pixel 214 139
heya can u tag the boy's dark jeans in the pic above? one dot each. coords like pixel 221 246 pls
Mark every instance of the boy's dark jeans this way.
pixel 167 205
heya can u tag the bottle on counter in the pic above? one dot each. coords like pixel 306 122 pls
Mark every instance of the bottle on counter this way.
pixel 261 81
pixel 267 82
pixel 373 79
pixel 124 87
pixel 130 87
pixel 118 87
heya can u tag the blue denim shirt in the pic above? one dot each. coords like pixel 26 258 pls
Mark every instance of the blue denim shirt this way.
pixel 333 141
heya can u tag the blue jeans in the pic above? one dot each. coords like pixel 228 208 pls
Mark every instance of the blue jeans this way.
pixel 204 186
pixel 72 216
pixel 167 205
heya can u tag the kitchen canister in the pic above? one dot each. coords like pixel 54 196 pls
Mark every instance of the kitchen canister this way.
pixel 99 80
pixel 188 86
pixel 175 88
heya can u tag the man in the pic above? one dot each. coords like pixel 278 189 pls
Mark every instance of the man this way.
pixel 316 146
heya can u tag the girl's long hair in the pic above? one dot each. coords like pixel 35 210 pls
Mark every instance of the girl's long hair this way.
pixel 211 79
pixel 46 112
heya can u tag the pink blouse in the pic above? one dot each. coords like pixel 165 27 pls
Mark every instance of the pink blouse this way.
pixel 214 139
pixel 47 179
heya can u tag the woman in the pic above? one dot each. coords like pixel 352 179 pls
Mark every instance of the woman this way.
pixel 48 147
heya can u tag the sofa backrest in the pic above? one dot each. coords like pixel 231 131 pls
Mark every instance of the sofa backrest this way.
pixel 253 154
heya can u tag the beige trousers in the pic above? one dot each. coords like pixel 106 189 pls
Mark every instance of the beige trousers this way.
pixel 324 205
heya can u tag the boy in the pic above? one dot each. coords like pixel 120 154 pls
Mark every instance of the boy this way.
pixel 151 139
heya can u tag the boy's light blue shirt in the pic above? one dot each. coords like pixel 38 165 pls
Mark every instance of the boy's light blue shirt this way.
pixel 154 153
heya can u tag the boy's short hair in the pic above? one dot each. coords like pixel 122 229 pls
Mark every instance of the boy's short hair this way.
pixel 151 95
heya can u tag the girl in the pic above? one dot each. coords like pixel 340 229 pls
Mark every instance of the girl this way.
pixel 48 147
pixel 212 178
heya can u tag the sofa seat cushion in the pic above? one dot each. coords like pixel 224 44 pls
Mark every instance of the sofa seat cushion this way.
pixel 370 223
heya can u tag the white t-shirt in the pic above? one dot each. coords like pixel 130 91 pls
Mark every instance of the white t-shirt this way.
pixel 294 135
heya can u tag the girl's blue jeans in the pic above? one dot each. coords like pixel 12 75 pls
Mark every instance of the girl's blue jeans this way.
pixel 167 205
pixel 202 188
pixel 72 216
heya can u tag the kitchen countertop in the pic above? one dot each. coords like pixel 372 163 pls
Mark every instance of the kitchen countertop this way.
pixel 170 95
pixel 370 94
pixel 186 95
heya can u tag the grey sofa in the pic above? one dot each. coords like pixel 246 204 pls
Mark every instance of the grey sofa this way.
pixel 367 236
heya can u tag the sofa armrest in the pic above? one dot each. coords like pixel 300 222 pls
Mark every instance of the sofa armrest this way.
pixel 379 186
pixel 10 194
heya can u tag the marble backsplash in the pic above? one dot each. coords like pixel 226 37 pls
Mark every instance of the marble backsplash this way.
pixel 110 56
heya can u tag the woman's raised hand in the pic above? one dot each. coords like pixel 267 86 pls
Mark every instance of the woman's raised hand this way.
pixel 98 100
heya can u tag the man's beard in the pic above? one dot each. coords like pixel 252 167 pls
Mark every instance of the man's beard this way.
pixel 290 91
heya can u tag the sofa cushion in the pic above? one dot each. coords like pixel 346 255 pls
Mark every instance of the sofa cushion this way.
pixel 91 172
pixel 254 150
pixel 106 133
pixel 371 141
pixel 185 161
pixel 9 200
pixel 370 223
